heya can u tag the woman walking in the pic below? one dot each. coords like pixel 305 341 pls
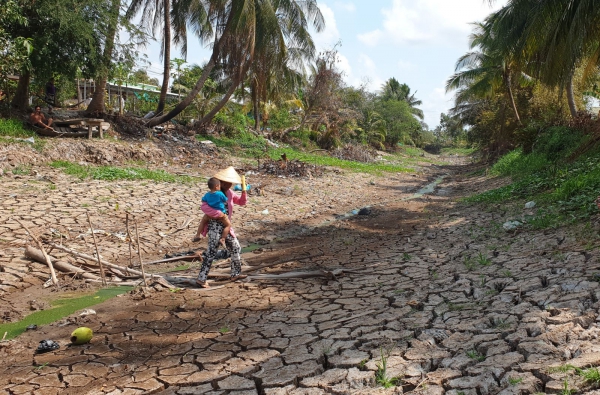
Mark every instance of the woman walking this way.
pixel 214 228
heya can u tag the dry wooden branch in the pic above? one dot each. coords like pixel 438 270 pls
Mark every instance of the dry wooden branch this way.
pixel 119 283
pixel 97 252
pixel 175 259
pixel 281 262
pixel 47 259
pixel 65 267
pixel 129 239
pixel 137 236
pixel 108 264
pixel 330 275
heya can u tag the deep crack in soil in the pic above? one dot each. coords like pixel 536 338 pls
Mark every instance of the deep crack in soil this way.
pixel 437 289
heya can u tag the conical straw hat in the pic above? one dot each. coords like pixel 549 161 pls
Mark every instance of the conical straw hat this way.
pixel 228 175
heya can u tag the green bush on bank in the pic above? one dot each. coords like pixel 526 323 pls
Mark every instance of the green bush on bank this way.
pixel 564 191
pixel 14 128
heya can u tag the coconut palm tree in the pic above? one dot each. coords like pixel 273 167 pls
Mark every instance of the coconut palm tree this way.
pixel 486 70
pixel 156 15
pixel 243 28
pixel 554 37
pixel 394 90
pixel 97 103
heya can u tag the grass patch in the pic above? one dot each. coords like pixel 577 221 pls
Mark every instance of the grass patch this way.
pixel 112 173
pixel 21 170
pixel 564 193
pixel 325 160
pixel 12 131
pixel 247 145
pixel 381 376
pixel 591 375
pixel 458 151
pixel 14 128
pixel 181 268
pixel 61 308
pixel 469 263
pixel 515 380
pixel 473 354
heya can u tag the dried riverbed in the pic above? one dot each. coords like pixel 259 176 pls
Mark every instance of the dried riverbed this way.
pixel 451 301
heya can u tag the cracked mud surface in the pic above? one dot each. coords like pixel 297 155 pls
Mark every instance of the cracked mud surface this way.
pixel 457 305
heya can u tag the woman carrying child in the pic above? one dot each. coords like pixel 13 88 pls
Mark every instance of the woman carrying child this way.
pixel 214 228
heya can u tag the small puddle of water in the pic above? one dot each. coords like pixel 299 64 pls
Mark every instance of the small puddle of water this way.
pixel 251 247
pixel 61 307
pixel 426 190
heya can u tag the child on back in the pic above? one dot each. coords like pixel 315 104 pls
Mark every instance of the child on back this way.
pixel 218 201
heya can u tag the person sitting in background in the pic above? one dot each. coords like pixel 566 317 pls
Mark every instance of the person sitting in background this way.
pixel 37 118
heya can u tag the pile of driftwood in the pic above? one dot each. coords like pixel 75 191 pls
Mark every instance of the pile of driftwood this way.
pixel 289 168
pixel 94 269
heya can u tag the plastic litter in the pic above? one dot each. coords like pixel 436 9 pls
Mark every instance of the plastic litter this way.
pixel 87 312
pixel 354 212
pixel 47 346
pixel 265 212
pixel 529 205
pixel 511 225
pixel 31 327
pixel 238 187
pixel 29 140
pixel 364 211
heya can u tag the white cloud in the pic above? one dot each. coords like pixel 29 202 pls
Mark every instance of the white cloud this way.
pixel 327 38
pixel 436 102
pixel 428 21
pixel 368 69
pixel 404 65
pixel 372 38
pixel 343 65
pixel 346 6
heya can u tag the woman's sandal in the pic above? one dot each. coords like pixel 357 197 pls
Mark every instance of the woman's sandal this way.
pixel 202 284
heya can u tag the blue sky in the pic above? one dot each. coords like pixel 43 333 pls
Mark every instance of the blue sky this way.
pixel 415 41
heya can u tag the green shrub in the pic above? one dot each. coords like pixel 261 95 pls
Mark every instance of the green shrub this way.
pixel 232 123
pixel 14 128
pixel 281 119
pixel 517 165
pixel 244 144
pixel 557 142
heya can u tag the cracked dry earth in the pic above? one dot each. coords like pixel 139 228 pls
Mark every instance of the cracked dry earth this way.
pixel 453 303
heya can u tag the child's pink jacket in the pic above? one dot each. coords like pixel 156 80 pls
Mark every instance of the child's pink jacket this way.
pixel 232 198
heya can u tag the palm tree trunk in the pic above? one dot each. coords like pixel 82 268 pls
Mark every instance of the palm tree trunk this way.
pixel 97 103
pixel 20 100
pixel 208 117
pixel 571 97
pixel 255 104
pixel 236 82
pixel 166 56
pixel 507 82
pixel 200 83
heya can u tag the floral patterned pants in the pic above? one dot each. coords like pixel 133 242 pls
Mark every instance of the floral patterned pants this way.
pixel 215 229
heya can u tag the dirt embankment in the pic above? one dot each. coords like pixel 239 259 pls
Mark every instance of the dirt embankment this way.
pixel 109 151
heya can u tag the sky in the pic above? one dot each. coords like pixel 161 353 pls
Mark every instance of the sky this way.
pixel 416 41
